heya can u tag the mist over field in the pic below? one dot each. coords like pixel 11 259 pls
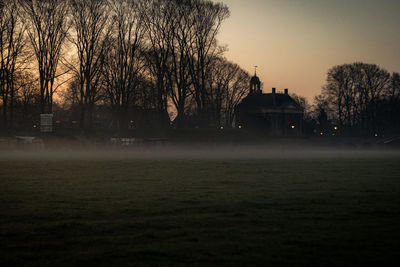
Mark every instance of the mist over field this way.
pixel 198 151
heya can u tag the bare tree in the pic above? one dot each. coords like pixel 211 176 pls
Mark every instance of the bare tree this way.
pixel 47 29
pixel 159 24
pixel 91 32
pixel 320 111
pixel 302 102
pixel 124 64
pixel 206 19
pixel 354 92
pixel 27 98
pixel 12 58
pixel 393 91
pixel 337 81
pixel 392 96
pixel 227 85
pixel 373 84
pixel 179 80
pixel 237 90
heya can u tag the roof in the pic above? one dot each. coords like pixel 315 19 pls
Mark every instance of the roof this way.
pixel 267 101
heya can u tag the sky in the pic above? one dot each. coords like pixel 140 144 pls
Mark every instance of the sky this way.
pixel 295 42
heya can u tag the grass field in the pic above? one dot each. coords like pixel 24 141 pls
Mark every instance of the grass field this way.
pixel 197 212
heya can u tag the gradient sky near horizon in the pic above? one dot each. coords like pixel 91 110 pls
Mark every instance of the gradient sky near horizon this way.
pixel 295 42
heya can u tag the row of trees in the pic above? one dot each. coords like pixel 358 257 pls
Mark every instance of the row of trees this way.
pixel 361 99
pixel 127 56
pixel 124 55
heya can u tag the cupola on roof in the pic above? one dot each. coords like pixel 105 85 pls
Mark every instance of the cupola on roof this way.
pixel 255 79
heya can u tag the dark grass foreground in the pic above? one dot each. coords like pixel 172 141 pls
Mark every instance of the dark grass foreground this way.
pixel 135 212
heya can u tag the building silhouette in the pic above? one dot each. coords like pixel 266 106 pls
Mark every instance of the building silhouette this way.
pixel 275 113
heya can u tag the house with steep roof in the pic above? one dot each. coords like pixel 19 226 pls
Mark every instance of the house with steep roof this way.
pixel 275 113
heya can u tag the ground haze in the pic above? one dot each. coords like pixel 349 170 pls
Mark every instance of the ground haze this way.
pixel 134 211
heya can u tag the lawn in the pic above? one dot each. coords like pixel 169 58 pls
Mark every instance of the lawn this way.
pixel 175 212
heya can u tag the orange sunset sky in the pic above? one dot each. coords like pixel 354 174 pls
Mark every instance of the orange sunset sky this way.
pixel 295 42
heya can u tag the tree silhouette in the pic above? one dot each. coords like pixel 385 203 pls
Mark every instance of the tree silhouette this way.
pixel 355 93
pixel 12 58
pixel 124 61
pixel 90 20
pixel 47 24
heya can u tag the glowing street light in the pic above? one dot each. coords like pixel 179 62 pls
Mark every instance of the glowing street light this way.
pixel 335 128
pixel 240 126
pixel 292 126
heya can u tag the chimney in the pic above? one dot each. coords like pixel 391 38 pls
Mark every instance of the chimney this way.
pixel 286 91
pixel 273 96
